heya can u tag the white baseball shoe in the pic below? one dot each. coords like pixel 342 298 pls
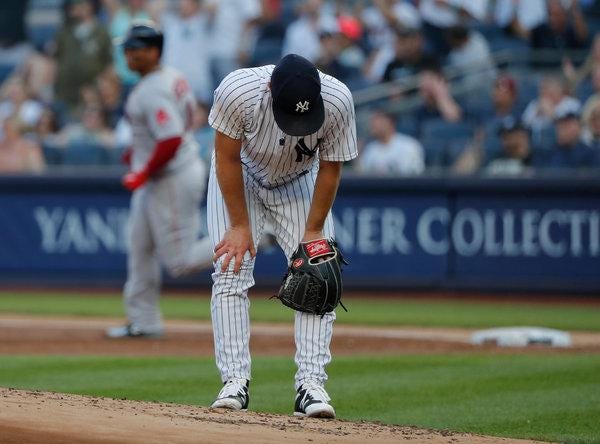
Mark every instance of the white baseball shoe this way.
pixel 233 396
pixel 131 331
pixel 313 401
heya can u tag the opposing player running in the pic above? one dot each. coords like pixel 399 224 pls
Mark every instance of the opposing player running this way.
pixel 283 133
pixel 167 179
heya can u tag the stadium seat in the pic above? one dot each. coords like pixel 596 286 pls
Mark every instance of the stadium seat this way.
pixel 434 151
pixel 41 35
pixel 85 154
pixel 407 125
pixel 441 129
pixel 528 89
pixel 5 71
pixel 113 155
pixel 53 154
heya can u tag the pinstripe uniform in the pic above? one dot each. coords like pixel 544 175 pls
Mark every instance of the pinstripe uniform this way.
pixel 279 173
pixel 164 217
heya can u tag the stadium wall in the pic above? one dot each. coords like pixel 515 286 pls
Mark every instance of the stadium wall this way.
pixel 444 232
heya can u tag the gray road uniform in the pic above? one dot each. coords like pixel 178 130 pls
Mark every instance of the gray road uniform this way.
pixel 165 214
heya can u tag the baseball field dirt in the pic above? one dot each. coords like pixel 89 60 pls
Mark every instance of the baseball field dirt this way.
pixel 31 416
pixel 85 336
pixel 52 418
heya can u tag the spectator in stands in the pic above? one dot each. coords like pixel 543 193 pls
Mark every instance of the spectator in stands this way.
pixel 516 154
pixel 270 32
pixel 437 100
pixel 46 128
pixel 186 34
pixel 519 17
pixel 231 22
pixel 17 153
pixel 391 153
pixel 381 20
pixel 505 95
pixel 539 113
pixel 591 123
pixel 569 150
pixel 83 51
pixel 504 103
pixel 592 63
pixel 123 14
pixel 351 56
pixel 38 73
pixel 16 100
pixel 340 59
pixel 92 130
pixel 110 96
pixel 440 15
pixel 470 55
pixel 303 35
pixel 565 30
pixel 410 57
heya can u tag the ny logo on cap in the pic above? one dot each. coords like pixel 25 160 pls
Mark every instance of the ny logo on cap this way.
pixel 302 107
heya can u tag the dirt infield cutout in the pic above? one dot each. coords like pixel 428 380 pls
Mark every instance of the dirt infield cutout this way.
pixel 85 336
pixel 33 416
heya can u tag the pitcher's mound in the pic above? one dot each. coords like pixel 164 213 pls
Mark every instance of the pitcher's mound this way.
pixel 31 416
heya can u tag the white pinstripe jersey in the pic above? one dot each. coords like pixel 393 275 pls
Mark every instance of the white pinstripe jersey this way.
pixel 242 110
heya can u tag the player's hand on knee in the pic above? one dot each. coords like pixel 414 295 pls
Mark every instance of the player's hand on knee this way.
pixel 234 245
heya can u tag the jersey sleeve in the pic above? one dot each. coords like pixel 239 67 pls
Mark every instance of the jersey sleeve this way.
pixel 340 139
pixel 163 118
pixel 227 113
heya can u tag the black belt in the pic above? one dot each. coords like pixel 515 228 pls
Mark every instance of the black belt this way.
pixel 271 186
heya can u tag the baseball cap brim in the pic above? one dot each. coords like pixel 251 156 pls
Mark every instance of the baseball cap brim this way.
pixel 301 125
pixel 135 43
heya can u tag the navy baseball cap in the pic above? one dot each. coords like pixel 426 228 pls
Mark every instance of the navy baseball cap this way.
pixel 142 34
pixel 510 124
pixel 296 90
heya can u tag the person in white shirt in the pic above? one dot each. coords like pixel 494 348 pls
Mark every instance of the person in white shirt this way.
pixel 381 21
pixel 302 37
pixel 186 46
pixel 391 153
pixel 471 56
pixel 230 24
pixel 439 15
pixel 519 17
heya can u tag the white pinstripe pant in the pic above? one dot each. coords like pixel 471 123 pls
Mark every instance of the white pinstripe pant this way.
pixel 286 209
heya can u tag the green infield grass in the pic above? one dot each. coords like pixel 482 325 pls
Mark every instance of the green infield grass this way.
pixel 543 396
pixel 390 312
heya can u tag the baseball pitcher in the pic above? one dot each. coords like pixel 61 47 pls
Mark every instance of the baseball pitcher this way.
pixel 283 133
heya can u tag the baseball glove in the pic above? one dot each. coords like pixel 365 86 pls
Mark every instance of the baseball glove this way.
pixel 313 281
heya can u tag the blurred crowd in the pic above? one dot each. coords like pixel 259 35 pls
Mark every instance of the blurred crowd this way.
pixel 468 86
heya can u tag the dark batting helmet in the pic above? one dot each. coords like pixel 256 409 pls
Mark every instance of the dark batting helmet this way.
pixel 143 35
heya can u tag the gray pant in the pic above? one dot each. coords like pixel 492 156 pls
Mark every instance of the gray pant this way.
pixel 164 223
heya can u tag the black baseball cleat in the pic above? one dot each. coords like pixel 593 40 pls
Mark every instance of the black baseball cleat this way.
pixel 313 401
pixel 233 396
pixel 131 331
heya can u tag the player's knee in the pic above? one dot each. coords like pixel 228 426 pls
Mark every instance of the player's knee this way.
pixel 177 269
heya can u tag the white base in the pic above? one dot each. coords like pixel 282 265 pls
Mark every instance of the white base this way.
pixel 522 337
